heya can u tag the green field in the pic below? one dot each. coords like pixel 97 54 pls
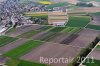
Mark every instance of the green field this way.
pixel 92 62
pixel 6 40
pixel 98 47
pixel 14 62
pixel 96 14
pixel 71 30
pixel 29 34
pixel 78 21
pixel 57 5
pixel 95 27
pixel 23 49
pixel 43 28
pixel 57 29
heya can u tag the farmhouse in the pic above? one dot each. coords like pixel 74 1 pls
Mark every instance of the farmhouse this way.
pixel 57 18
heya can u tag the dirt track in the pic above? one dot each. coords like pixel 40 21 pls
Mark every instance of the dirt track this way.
pixel 52 50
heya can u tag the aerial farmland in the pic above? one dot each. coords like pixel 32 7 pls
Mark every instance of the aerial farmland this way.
pixel 30 40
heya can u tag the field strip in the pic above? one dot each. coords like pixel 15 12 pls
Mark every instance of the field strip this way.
pixel 12 45
pixel 23 49
pixel 4 40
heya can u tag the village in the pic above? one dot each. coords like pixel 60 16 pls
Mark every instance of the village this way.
pixel 30 29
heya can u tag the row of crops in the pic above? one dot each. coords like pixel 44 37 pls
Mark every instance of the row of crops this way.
pixel 23 49
pixel 50 33
pixel 6 40
pixel 19 51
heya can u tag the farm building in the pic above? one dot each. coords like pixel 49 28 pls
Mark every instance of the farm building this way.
pixel 57 18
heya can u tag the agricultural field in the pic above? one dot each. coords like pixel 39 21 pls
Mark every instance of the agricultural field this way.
pixel 38 17
pixel 50 50
pixel 95 27
pixel 46 36
pixel 25 45
pixel 34 41
pixel 23 49
pixel 72 30
pixel 57 5
pixel 94 57
pixel 96 14
pixel 28 34
pixel 85 37
pixel 57 29
pixel 54 41
pixel 16 62
pixel 92 62
pixel 78 21
pixel 33 14
pixel 12 45
pixel 95 19
pixel 44 28
pixel 98 47
pixel 20 30
pixel 45 2
pixel 6 40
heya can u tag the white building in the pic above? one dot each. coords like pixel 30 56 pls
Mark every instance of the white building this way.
pixel 57 18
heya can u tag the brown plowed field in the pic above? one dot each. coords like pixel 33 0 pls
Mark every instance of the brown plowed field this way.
pixel 59 38
pixel 69 39
pixel 96 20
pixel 85 37
pixel 52 50
pixel 23 29
pixel 39 35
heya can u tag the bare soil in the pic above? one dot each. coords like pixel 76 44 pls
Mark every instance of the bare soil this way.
pixel 85 37
pixel 52 50
pixel 96 20
pixel 23 29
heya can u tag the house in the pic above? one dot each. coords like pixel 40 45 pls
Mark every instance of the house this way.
pixel 57 18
